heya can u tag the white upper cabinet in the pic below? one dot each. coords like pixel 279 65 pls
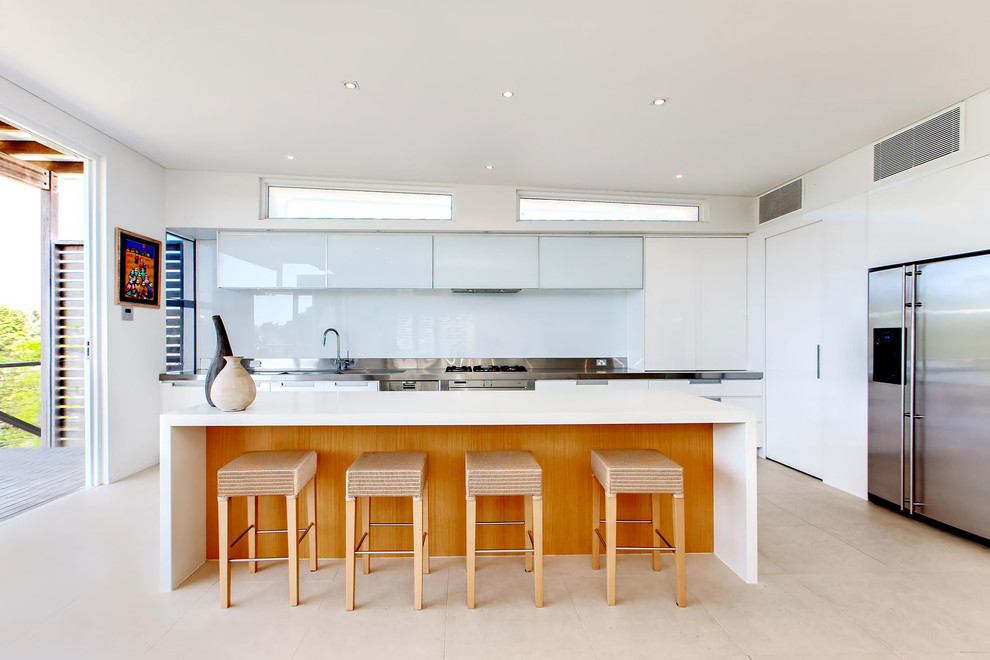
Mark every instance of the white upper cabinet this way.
pixel 695 303
pixel 380 261
pixel 269 260
pixel 578 262
pixel 486 262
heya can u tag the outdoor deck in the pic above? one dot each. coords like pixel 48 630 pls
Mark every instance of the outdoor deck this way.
pixel 31 477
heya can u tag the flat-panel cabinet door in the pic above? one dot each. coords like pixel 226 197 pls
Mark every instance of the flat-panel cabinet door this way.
pixel 793 339
pixel 721 326
pixel 672 292
pixel 267 260
pixel 486 262
pixel 379 261
pixel 580 262
pixel 695 304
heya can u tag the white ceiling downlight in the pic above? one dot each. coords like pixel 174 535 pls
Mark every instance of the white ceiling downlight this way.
pixel 290 157
pixel 489 166
pixel 678 176
pixel 351 84
pixel 508 94
pixel 659 101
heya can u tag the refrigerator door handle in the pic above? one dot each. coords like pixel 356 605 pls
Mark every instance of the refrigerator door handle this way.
pixel 904 413
pixel 911 399
pixel 818 361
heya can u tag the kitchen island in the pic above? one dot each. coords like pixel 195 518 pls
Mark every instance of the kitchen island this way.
pixel 714 442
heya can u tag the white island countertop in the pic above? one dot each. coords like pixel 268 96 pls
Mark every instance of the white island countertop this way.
pixel 466 408
pixel 183 448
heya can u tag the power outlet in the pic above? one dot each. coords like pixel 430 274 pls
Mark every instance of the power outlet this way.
pixel 601 362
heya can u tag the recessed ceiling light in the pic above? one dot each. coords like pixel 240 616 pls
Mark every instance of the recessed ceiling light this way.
pixel 678 176
pixel 508 94
pixel 489 167
pixel 290 157
pixel 350 84
pixel 659 100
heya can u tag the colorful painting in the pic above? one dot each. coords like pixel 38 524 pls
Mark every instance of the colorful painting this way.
pixel 139 270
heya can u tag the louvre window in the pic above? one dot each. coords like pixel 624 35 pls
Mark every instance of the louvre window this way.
pixel 180 305
pixel 69 345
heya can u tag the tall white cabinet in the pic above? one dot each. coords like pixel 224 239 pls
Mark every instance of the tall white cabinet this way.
pixel 793 391
pixel 695 298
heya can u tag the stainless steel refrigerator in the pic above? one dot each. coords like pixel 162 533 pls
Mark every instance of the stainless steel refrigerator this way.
pixel 929 390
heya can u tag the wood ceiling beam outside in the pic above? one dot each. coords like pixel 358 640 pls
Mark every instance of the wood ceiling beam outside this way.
pixel 25 172
pixel 60 166
pixel 24 147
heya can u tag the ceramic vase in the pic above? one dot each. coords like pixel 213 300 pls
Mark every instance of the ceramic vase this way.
pixel 234 389
pixel 223 350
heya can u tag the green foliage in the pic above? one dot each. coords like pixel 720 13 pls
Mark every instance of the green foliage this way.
pixel 20 387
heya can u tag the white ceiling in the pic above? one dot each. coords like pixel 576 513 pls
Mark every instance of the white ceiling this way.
pixel 760 90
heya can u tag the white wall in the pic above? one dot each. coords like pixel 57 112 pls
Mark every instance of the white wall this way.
pixel 127 356
pixel 406 323
pixel 938 209
pixel 227 200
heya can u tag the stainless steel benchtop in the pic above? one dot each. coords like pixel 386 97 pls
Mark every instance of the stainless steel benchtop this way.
pixel 434 369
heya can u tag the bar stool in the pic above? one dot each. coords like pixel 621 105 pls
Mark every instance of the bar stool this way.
pixel 636 471
pixel 388 474
pixel 506 473
pixel 255 474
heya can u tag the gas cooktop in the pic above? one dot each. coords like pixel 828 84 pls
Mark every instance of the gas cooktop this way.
pixel 486 368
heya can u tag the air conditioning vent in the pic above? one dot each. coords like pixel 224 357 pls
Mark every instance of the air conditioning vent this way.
pixel 781 201
pixel 937 137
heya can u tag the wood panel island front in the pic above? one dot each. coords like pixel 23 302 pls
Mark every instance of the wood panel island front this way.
pixel 714 442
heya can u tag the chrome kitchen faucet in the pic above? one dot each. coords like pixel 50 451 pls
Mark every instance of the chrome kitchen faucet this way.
pixel 341 364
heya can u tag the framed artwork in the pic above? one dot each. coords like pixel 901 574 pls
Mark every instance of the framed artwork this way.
pixel 139 270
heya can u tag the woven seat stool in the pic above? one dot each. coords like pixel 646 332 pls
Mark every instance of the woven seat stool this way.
pixel 506 473
pixel 387 474
pixel 616 471
pixel 256 474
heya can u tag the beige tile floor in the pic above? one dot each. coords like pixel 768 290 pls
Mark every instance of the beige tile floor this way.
pixel 840 578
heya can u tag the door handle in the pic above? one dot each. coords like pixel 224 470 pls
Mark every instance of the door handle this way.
pixel 818 361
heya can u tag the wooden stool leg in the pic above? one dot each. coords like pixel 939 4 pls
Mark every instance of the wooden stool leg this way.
pixel 292 536
pixel 679 552
pixel 537 504
pixel 596 516
pixel 426 526
pixel 610 518
pixel 349 524
pixel 656 526
pixel 418 553
pixel 252 511
pixel 366 531
pixel 311 509
pixel 528 531
pixel 223 524
pixel 472 519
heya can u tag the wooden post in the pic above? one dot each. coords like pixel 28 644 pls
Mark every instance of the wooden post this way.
pixel 223 524
pixel 349 523
pixel 610 520
pixel 252 512
pixel 596 516
pixel 537 505
pixel 679 552
pixel 472 519
pixel 426 526
pixel 528 530
pixel 366 531
pixel 418 553
pixel 655 507
pixel 292 536
pixel 311 510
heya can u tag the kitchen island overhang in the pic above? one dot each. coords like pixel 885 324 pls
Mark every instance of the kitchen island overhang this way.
pixel 562 424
